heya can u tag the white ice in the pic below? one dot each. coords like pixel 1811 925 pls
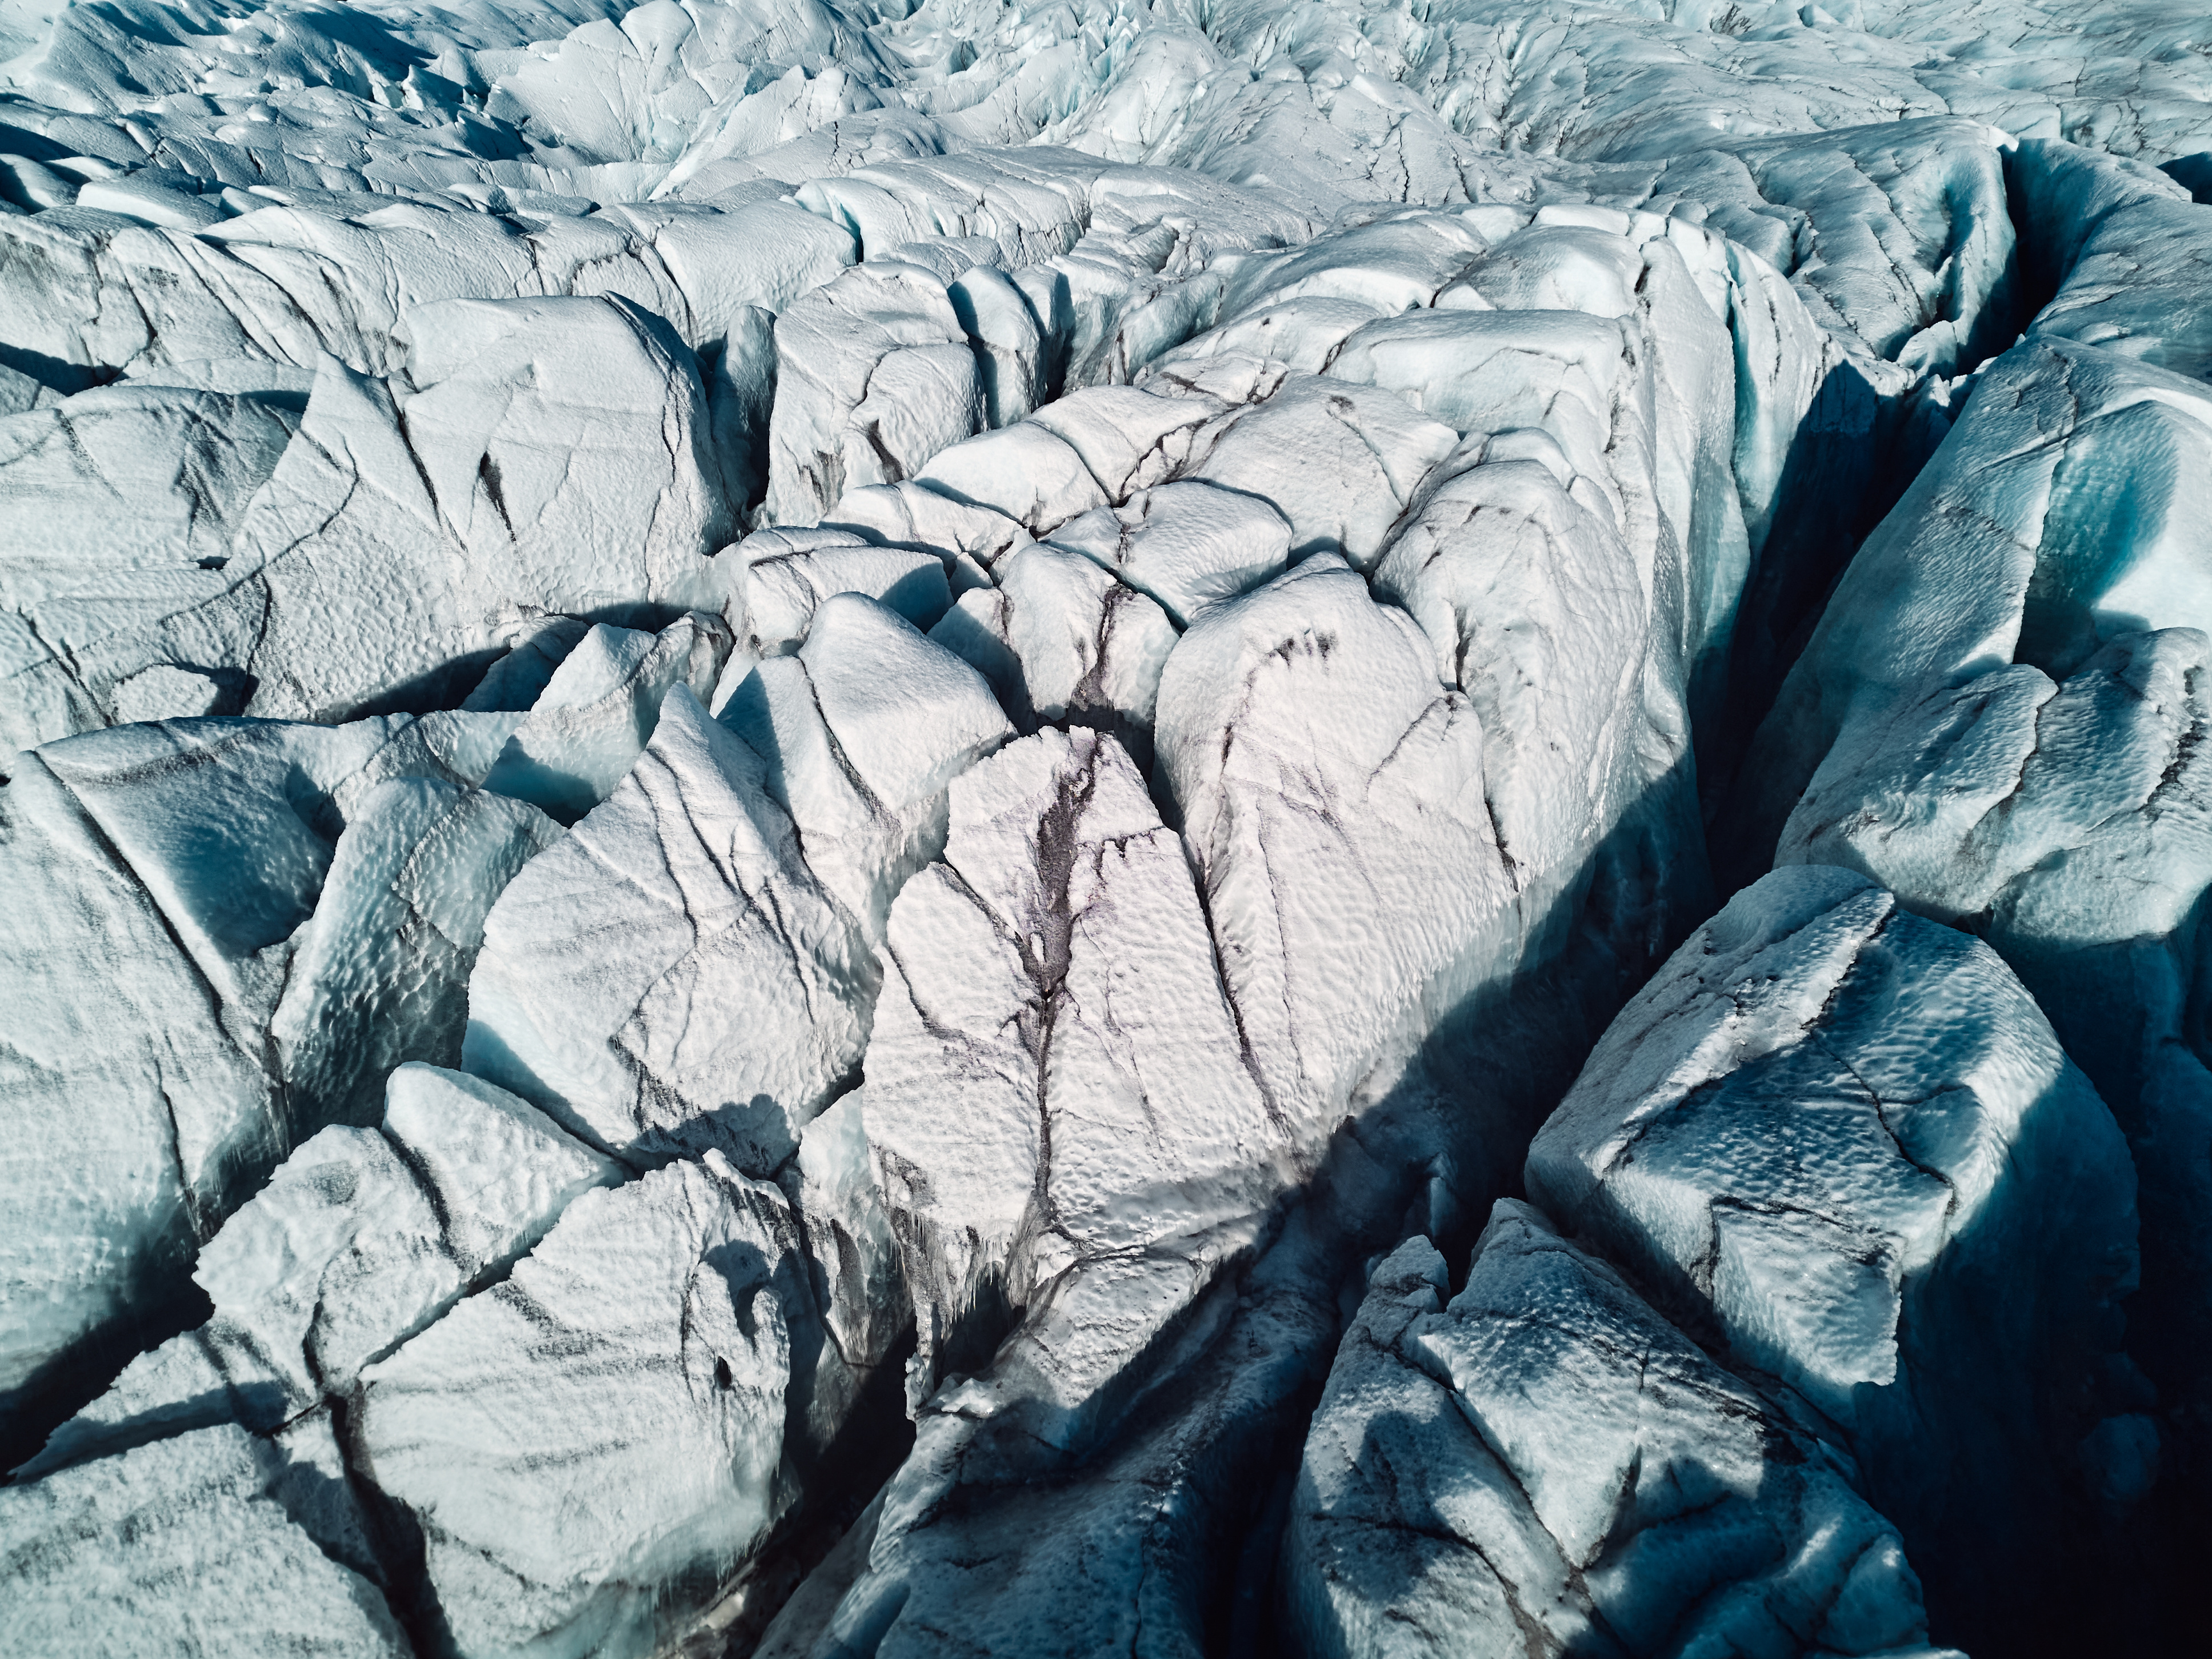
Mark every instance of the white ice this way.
pixel 1036 677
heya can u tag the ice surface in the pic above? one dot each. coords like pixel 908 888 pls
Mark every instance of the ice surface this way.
pixel 361 1238
pixel 671 976
pixel 1061 642
pixel 862 732
pixel 2001 714
pixel 218 1560
pixel 1044 674
pixel 1543 1460
pixel 410 520
pixel 875 377
pixel 2124 250
pixel 598 709
pixel 576 1501
pixel 1299 727
pixel 788 575
pixel 1028 472
pixel 1185 546
pixel 1843 1140
pixel 1110 1150
pixel 189 1017
pixel 381 971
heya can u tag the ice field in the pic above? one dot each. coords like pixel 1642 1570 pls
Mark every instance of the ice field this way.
pixel 1211 828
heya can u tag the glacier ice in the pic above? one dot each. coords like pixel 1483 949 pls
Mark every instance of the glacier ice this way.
pixel 1065 1119
pixel 1842 1144
pixel 1060 640
pixel 681 1321
pixel 675 978
pixel 592 718
pixel 1542 1459
pixel 186 1021
pixel 361 1238
pixel 1186 545
pixel 1999 710
pixel 223 1552
pixel 895 826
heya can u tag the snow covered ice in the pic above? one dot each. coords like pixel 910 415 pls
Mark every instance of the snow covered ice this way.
pixel 851 828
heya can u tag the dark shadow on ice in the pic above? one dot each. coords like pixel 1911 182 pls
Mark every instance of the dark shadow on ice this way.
pixel 1395 1550
pixel 443 687
pixel 159 1302
pixel 450 681
pixel 2010 1353
pixel 1849 462
pixel 1429 1156
pixel 67 379
pixel 2194 174
pixel 396 1539
pixel 259 1407
pixel 840 1483
pixel 1983 1473
pixel 2107 1542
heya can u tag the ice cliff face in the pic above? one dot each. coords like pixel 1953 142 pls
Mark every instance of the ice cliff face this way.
pixel 878 830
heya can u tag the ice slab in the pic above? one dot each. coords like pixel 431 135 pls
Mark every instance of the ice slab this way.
pixel 588 1500
pixel 409 522
pixel 361 1238
pixel 1066 1128
pixel 589 725
pixel 1061 642
pixel 190 1016
pixel 861 733
pixel 670 976
pixel 217 1556
pixel 1826 1129
pixel 1542 1459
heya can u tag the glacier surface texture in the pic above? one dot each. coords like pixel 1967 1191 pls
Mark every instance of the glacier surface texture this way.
pixel 1193 829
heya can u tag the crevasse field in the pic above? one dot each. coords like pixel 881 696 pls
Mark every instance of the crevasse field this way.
pixel 1219 828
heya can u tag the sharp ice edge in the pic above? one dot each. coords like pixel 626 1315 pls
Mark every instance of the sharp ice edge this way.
pixel 733 711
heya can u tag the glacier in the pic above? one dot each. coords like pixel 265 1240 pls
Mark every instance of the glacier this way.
pixel 879 829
